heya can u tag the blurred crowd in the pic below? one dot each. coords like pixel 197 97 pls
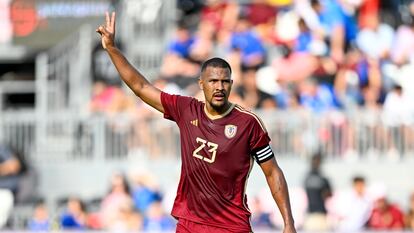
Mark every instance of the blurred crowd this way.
pixel 304 55
pixel 314 57
pixel 316 206
pixel 320 207
pixel 135 201
pixel 319 54
pixel 133 204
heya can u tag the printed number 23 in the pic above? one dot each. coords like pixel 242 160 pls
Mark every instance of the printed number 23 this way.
pixel 212 149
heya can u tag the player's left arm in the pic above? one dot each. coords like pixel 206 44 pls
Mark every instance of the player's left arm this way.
pixel 278 187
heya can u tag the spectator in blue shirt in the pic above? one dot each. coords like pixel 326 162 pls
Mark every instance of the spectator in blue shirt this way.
pixel 182 43
pixel 245 41
pixel 332 23
pixel 318 98
pixel 144 192
pixel 74 217
pixel 157 220
pixel 304 38
pixel 40 220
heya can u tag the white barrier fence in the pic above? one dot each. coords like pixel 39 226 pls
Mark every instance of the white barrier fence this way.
pixel 68 136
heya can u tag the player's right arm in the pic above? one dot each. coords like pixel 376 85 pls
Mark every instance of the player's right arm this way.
pixel 131 76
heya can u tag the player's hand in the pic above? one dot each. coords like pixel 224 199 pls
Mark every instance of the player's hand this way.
pixel 289 229
pixel 107 31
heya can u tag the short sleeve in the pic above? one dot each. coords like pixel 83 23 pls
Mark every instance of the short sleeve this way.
pixel 260 142
pixel 174 105
pixel 259 136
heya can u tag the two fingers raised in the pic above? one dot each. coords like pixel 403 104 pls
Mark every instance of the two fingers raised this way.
pixel 109 26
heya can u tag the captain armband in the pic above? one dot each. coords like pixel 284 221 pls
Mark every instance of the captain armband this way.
pixel 263 154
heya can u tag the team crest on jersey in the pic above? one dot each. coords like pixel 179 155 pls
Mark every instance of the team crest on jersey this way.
pixel 230 131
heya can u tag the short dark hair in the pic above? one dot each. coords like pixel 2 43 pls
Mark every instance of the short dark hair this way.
pixel 215 62
pixel 358 178
pixel 315 2
pixel 397 87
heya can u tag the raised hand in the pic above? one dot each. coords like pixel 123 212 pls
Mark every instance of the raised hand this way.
pixel 107 31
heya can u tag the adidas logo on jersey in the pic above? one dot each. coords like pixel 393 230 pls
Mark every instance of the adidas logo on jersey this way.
pixel 194 122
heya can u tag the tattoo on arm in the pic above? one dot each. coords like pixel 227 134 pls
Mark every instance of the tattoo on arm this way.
pixel 279 190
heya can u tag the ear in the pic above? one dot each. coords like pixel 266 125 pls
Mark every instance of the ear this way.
pixel 200 83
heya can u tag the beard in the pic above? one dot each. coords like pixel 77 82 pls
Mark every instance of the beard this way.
pixel 219 106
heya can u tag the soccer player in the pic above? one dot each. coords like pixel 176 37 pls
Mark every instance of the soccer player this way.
pixel 219 141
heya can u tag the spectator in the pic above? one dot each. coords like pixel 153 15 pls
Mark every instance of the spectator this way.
pixel 253 98
pixel 331 26
pixel 189 11
pixel 260 12
pixel 74 217
pixel 260 218
pixel 402 69
pixel 317 98
pixel 318 189
pixel 262 17
pixel 397 117
pixel 181 44
pixel 305 37
pixel 144 192
pixel 403 46
pixel 179 70
pixel 221 13
pixel 385 216
pixel 375 40
pixel 113 202
pixel 325 67
pixel 350 9
pixel 248 44
pixel 203 44
pixel 294 67
pixel 372 132
pixel 157 220
pixel 351 217
pixel 11 168
pixel 181 62
pixel 107 99
pixel 128 220
pixel 390 11
pixel 348 82
pixel 40 219
pixel 409 217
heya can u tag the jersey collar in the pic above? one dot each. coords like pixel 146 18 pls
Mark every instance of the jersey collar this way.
pixel 211 117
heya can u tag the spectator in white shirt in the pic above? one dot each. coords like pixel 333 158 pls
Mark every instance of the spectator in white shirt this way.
pixel 351 209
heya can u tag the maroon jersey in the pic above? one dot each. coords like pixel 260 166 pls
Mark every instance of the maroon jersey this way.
pixel 217 156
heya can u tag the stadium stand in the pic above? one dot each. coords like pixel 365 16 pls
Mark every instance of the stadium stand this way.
pixel 63 107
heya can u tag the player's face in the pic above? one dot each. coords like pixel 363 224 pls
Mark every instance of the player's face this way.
pixel 216 85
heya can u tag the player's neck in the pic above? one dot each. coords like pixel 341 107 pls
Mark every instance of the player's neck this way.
pixel 215 113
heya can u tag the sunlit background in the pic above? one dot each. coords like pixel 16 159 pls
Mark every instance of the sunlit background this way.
pixel 331 79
